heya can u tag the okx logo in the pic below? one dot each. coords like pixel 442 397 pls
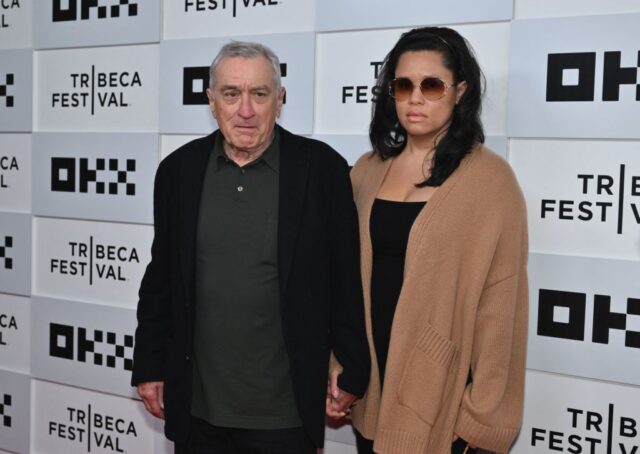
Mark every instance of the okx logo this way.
pixel 72 10
pixel 601 193
pixel 4 90
pixel 213 5
pixel 78 175
pixel 92 260
pixel 572 76
pixel 101 349
pixel 195 81
pixel 5 260
pixel 562 314
pixel 4 410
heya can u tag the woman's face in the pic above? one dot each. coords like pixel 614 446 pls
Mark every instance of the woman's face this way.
pixel 420 117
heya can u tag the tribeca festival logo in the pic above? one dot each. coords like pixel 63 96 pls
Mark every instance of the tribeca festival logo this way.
pixel 7 322
pixel 7 5
pixel 4 410
pixel 572 76
pixel 363 94
pixel 67 342
pixel 92 261
pixel 5 97
pixel 93 429
pixel 601 195
pixel 69 11
pixel 562 314
pixel 7 164
pixel 195 81
pixel 217 5
pixel 78 175
pixel 96 89
pixel 6 262
pixel 606 433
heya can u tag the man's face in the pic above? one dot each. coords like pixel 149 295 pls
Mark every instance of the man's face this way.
pixel 245 102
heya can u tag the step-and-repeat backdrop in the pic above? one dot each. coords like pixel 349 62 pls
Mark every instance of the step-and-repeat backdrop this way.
pixel 93 94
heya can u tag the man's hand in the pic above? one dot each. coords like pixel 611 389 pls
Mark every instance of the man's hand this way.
pixel 338 401
pixel 152 394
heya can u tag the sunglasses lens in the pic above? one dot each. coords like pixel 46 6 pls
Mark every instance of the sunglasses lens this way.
pixel 401 88
pixel 432 88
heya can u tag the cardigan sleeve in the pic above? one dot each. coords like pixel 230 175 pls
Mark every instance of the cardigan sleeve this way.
pixel 491 410
pixel 154 305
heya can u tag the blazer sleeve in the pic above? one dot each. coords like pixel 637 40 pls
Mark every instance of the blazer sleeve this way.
pixel 491 410
pixel 154 304
pixel 348 335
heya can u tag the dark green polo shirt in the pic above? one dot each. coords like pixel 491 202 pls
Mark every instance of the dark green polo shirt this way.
pixel 241 370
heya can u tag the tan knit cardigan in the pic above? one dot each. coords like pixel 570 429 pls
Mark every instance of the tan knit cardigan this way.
pixel 463 306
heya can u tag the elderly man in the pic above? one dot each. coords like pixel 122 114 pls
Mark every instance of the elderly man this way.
pixel 254 277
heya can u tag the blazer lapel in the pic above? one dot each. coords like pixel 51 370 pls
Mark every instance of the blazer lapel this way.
pixel 294 168
pixel 191 180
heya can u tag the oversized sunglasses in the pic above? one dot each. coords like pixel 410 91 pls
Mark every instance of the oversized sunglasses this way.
pixel 432 88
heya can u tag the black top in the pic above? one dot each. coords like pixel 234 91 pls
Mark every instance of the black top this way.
pixel 390 224
pixel 242 376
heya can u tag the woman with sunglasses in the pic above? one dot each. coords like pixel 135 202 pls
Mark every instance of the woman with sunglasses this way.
pixel 444 248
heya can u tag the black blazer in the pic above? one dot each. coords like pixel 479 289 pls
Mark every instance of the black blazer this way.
pixel 319 273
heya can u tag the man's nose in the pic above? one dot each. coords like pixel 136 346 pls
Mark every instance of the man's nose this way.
pixel 246 106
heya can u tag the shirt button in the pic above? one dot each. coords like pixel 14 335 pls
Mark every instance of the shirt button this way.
pixel 240 189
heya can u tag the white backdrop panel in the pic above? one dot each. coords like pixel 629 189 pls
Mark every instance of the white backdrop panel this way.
pixel 15 253
pixel 583 197
pixel 75 421
pixel 206 18
pixel 568 83
pixel 564 414
pixel 95 176
pixel 553 8
pixel 15 333
pixel 184 78
pixel 99 262
pixel 14 414
pixel 355 14
pixel 347 68
pixel 83 344
pixel 15 172
pixel 15 24
pixel 75 23
pixel 584 317
pixel 98 89
pixel 16 90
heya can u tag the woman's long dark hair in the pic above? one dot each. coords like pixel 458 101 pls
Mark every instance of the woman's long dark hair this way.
pixel 389 138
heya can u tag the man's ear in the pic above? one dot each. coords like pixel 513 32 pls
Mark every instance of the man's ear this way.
pixel 212 103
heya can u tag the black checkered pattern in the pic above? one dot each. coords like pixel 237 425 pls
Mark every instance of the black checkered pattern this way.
pixel 86 345
pixel 89 346
pixel 132 8
pixel 6 402
pixel 88 175
pixel 8 99
pixel 130 188
pixel 120 351
pixel 7 261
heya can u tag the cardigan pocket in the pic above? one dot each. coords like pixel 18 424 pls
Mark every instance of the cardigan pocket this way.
pixel 424 378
